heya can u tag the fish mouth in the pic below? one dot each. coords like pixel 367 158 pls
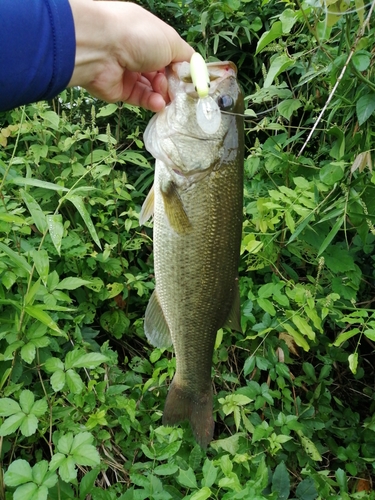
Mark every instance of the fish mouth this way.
pixel 179 77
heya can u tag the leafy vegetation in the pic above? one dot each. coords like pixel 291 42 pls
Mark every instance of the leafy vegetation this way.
pixel 82 392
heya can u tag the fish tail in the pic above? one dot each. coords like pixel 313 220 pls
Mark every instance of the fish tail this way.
pixel 182 404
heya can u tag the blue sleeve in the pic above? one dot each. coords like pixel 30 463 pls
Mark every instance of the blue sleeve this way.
pixel 37 50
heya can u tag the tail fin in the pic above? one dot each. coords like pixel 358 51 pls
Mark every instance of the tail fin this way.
pixel 183 404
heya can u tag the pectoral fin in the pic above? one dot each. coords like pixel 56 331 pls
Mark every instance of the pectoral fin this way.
pixel 147 208
pixel 155 325
pixel 233 320
pixel 174 209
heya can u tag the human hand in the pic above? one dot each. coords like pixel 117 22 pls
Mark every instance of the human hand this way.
pixel 122 51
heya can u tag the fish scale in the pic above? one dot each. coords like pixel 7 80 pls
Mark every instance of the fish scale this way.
pixel 197 206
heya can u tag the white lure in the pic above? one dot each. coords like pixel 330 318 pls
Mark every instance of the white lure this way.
pixel 208 112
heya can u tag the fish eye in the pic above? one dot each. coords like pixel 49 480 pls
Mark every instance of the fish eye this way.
pixel 225 102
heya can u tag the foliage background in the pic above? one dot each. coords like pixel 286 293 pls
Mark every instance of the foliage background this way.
pixel 82 392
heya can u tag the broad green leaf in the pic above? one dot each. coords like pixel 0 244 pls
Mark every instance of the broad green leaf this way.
pixel 167 469
pixel 87 483
pixel 53 364
pixel 331 173
pixel 8 407
pixel 41 261
pixel 269 36
pixel 27 491
pixel 74 382
pixel 36 212
pixel 353 362
pixel 343 337
pixel 370 334
pixel 28 352
pixel 306 490
pixel 67 470
pixel 56 461
pixel 38 313
pixel 298 338
pixel 281 482
pixel 50 479
pixel 58 380
pixel 52 119
pixel 107 110
pixel 16 259
pixel 12 423
pixel 26 400
pixel 39 408
pixel 187 478
pixel 361 60
pixel 38 183
pixel 80 439
pixel 365 106
pixel 56 230
pixel 229 444
pixel 90 360
pixel 201 494
pixel 286 108
pixel 267 306
pixel 303 326
pixel 288 19
pixel 65 443
pixel 278 65
pixel 309 447
pixel 80 206
pixel 209 473
pixel 86 454
pixel 72 283
pixel 29 425
pixel 19 472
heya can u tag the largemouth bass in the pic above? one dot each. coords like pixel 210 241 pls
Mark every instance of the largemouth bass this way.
pixel 197 205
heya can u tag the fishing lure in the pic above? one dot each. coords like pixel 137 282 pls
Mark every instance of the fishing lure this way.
pixel 208 112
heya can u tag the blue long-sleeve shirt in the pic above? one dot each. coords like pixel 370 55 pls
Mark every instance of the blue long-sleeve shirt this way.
pixel 37 50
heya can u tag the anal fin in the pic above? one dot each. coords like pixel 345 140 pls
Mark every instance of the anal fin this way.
pixel 155 325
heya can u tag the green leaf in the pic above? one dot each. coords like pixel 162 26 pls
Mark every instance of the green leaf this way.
pixel 365 106
pixel 331 235
pixel 107 110
pixel 8 407
pixel 201 494
pixel 80 206
pixel 56 461
pixel 281 482
pixel 38 313
pixel 298 338
pixel 11 424
pixel 36 212
pixel 29 425
pixel 26 492
pixel 303 326
pixel 269 36
pixel 71 283
pixel 28 352
pixel 91 360
pixel 74 382
pixel 370 334
pixel 309 447
pixel 278 65
pixel 361 60
pixel 39 408
pixel 331 173
pixel 353 362
pixel 41 261
pixel 286 108
pixel 87 483
pixel 37 183
pixel 209 473
pixel 26 400
pixel 86 454
pixel 56 230
pixel 187 478
pixel 53 364
pixel 58 380
pixel 67 470
pixel 18 260
pixel 267 306
pixel 343 337
pixel 19 472
pixel 306 489
pixel 166 469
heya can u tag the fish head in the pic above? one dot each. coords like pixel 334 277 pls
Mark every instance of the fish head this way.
pixel 174 135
